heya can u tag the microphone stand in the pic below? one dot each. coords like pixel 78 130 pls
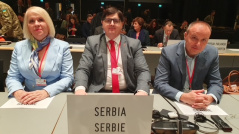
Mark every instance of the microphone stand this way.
pixel 179 121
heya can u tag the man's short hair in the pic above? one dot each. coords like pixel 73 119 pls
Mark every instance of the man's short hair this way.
pixel 112 10
pixel 198 22
pixel 89 15
pixel 169 23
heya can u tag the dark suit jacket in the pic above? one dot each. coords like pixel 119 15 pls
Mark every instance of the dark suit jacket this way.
pixel 159 34
pixel 171 72
pixel 92 70
pixel 86 29
pixel 15 8
pixel 143 36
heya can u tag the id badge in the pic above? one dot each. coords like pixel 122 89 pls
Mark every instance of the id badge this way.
pixel 41 82
pixel 116 71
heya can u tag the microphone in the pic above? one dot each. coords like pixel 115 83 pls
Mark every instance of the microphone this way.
pixel 179 122
pixel 180 126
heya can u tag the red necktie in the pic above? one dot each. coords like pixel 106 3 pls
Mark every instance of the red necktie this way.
pixel 114 65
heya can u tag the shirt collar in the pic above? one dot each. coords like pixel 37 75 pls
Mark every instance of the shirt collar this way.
pixel 117 39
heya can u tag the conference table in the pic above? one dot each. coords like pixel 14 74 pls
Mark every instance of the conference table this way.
pixel 31 121
pixel 152 54
pixel 228 104
pixel 53 120
pixel 149 50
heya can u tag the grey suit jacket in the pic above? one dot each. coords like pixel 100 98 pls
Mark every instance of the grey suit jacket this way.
pixel 159 34
pixel 92 70
pixel 171 71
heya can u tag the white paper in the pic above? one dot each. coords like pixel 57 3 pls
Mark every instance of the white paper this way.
pixel 13 103
pixel 234 50
pixel 211 109
pixel 81 46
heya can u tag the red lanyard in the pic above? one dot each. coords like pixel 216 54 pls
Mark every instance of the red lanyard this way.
pixel 117 58
pixel 191 77
pixel 39 69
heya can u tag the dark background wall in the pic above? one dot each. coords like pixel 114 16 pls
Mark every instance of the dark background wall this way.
pixel 175 10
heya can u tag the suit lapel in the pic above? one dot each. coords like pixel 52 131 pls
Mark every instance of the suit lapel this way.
pixel 50 58
pixel 26 54
pixel 124 51
pixel 201 59
pixel 161 37
pixel 103 51
pixel 181 61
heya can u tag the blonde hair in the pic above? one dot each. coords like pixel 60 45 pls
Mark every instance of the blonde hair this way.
pixel 42 12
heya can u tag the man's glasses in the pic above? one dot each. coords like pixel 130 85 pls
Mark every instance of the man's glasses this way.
pixel 108 20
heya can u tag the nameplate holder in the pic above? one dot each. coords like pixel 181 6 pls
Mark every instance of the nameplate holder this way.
pixel 220 44
pixel 114 114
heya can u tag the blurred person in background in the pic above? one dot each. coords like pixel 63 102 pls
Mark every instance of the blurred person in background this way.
pixel 19 8
pixel 210 18
pixel 139 32
pixel 86 27
pixel 49 10
pixel 182 29
pixel 152 28
pixel 74 29
pixel 65 22
pixel 162 35
pixel 125 27
pixel 20 18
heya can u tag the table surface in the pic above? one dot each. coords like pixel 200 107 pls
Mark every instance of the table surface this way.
pixel 54 118
pixel 149 50
pixel 228 104
pixel 30 121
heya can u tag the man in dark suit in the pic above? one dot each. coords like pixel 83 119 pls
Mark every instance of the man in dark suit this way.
pixel 210 18
pixel 164 34
pixel 184 68
pixel 19 8
pixel 49 10
pixel 112 62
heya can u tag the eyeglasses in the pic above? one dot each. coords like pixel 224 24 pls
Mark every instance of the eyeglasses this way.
pixel 108 20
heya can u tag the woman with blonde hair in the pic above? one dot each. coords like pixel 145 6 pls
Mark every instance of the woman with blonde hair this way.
pixel 41 66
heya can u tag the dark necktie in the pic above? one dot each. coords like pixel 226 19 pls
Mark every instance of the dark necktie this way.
pixel 114 65
pixel 166 41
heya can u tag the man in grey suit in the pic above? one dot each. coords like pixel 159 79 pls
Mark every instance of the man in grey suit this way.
pixel 96 70
pixel 162 35
pixel 184 68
